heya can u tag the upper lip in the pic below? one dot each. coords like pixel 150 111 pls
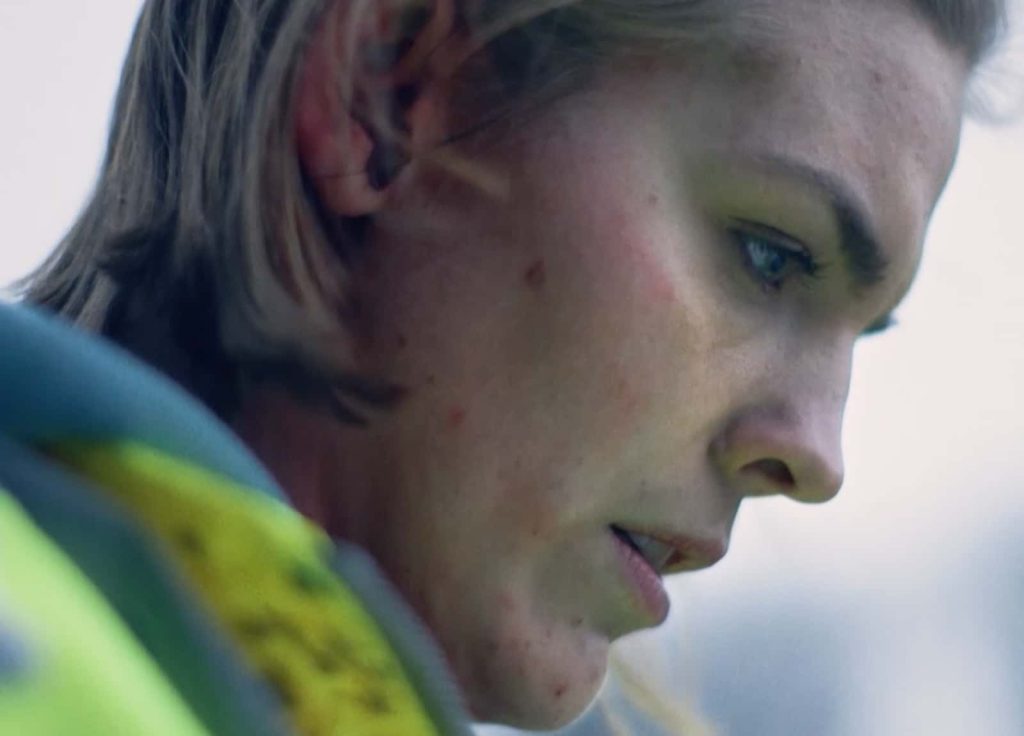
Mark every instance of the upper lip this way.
pixel 670 553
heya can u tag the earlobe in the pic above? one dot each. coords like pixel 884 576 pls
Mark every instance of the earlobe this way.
pixel 359 103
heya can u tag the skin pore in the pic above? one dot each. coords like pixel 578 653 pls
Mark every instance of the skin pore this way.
pixel 656 322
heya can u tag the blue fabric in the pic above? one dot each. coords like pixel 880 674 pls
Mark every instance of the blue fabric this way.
pixel 58 383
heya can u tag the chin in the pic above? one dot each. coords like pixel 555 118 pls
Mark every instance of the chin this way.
pixel 538 694
pixel 540 714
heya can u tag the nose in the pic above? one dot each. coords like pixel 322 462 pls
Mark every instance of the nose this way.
pixel 784 447
pixel 769 453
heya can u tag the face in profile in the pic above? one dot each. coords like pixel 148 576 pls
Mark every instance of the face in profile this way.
pixel 657 322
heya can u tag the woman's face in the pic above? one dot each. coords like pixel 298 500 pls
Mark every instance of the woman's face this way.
pixel 656 322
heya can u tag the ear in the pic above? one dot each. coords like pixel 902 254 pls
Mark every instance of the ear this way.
pixel 370 93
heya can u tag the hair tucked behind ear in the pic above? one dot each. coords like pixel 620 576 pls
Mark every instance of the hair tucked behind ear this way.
pixel 184 253
pixel 201 248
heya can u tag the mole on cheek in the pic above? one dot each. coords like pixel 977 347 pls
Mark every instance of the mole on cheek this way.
pixel 456 417
pixel 535 276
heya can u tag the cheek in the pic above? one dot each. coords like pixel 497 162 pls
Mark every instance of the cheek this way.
pixel 683 341
pixel 533 495
pixel 656 278
pixel 665 315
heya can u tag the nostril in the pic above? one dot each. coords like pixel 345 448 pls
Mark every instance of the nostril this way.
pixel 775 472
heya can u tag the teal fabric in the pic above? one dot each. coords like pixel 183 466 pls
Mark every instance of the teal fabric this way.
pixel 57 382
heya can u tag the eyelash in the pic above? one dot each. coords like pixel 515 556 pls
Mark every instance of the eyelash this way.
pixel 885 324
pixel 786 252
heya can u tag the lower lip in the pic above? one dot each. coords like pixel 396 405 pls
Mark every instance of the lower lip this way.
pixel 645 583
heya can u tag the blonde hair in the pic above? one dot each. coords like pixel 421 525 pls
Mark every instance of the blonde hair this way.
pixel 194 250
pixel 660 710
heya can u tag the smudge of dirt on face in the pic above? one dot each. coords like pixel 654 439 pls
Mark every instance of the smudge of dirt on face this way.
pixel 536 276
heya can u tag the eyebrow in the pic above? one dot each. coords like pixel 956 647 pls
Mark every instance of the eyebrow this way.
pixel 858 241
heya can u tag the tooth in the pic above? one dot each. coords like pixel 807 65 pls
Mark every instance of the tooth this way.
pixel 656 553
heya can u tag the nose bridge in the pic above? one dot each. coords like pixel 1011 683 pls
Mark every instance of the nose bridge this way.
pixel 788 437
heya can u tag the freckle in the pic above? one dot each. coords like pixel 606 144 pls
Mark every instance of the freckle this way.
pixel 626 395
pixel 431 380
pixel 535 275
pixel 402 341
pixel 577 622
pixel 560 689
pixel 398 394
pixel 653 200
pixel 456 416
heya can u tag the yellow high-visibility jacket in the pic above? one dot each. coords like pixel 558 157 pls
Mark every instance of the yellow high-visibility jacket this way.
pixel 153 580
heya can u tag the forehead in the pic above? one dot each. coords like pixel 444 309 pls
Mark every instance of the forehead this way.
pixel 862 89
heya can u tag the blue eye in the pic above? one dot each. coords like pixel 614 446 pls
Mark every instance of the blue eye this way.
pixel 772 257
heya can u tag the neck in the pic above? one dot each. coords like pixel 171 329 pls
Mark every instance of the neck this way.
pixel 302 448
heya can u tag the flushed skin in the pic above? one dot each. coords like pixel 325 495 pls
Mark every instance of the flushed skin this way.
pixel 614 343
